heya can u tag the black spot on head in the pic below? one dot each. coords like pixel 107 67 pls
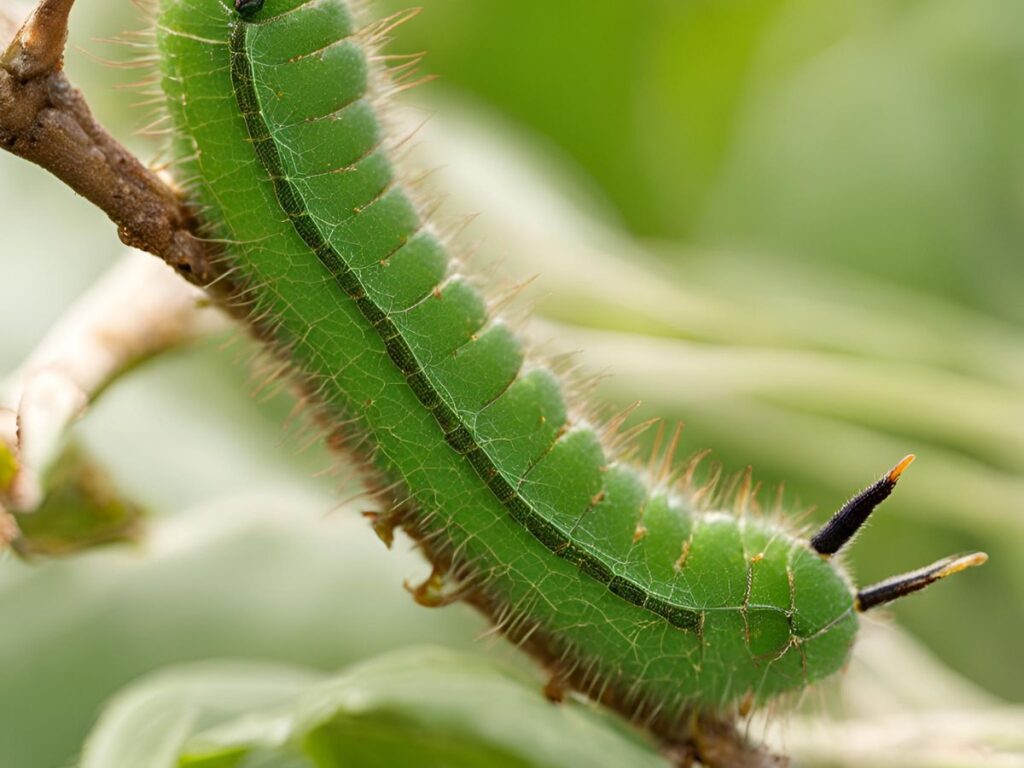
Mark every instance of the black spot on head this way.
pixel 248 8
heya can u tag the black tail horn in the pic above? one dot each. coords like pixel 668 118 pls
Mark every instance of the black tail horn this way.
pixel 898 586
pixel 852 515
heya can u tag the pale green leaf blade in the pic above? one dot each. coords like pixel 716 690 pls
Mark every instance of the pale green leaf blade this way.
pixel 146 725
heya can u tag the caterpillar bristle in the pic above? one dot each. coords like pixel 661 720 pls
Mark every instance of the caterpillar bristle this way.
pixel 701 497
pixel 756 508
pixel 376 33
pixel 628 439
pixel 724 496
pixel 745 492
pixel 662 473
pixel 502 300
pixel 686 481
pixel 403 70
pixel 613 432
pixel 140 62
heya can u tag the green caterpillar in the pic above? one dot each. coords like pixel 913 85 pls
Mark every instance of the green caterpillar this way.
pixel 618 579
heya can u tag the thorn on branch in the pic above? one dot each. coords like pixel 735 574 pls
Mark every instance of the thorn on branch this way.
pixel 38 48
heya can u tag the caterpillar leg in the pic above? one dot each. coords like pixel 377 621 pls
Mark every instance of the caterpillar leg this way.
pixel 384 525
pixel 717 743
pixel 556 689
pixel 435 591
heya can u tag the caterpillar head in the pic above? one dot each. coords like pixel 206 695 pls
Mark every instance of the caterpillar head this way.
pixel 248 8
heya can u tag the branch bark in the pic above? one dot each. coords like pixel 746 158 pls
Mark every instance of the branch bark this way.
pixel 138 310
pixel 46 120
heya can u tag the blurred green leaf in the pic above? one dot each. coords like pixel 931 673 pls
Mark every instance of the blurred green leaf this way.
pixel 894 152
pixel 641 96
pixel 271 575
pixel 428 707
pixel 146 726
pixel 877 136
pixel 81 509
pixel 418 707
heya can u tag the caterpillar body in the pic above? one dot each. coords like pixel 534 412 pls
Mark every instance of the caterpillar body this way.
pixel 624 585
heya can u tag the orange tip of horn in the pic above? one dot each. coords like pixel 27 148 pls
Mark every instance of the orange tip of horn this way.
pixel 895 472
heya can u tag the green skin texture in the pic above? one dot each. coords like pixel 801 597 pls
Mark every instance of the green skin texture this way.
pixel 547 544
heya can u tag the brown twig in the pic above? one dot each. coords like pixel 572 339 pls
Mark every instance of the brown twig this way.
pixel 138 310
pixel 45 120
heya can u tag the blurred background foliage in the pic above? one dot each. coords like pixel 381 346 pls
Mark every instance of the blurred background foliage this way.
pixel 795 224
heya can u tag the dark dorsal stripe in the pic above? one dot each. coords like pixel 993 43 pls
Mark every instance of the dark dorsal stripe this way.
pixel 456 433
